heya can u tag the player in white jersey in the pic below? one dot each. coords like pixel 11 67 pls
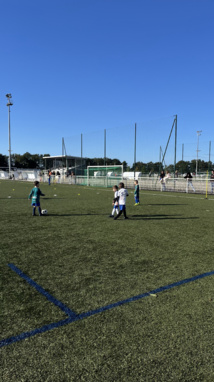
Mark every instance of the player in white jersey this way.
pixel 123 193
pixel 115 202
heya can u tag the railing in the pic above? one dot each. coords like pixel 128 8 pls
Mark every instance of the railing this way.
pixel 173 185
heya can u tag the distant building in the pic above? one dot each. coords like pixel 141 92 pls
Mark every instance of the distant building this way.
pixel 69 163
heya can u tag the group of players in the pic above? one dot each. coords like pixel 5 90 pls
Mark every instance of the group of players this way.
pixel 120 194
pixel 119 201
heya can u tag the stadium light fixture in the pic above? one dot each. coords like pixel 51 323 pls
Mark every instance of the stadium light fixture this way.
pixel 198 134
pixel 9 103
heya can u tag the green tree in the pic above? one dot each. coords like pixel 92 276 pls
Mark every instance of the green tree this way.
pixel 125 165
pixel 3 160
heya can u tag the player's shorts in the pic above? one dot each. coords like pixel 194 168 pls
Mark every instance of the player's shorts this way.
pixel 35 204
pixel 122 207
pixel 116 206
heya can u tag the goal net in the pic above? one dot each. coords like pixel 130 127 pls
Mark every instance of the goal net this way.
pixel 104 176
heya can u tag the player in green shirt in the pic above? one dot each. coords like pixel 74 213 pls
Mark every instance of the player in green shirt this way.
pixel 35 195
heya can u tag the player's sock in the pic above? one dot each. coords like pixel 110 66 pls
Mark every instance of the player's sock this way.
pixel 34 210
pixel 40 213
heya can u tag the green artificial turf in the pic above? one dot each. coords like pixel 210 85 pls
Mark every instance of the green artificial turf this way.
pixel 87 260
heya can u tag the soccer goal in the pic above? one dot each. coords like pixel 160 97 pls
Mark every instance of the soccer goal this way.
pixel 104 176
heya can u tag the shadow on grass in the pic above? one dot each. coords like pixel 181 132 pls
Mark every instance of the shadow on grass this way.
pixel 161 217
pixel 17 198
pixel 131 217
pixel 171 204
pixel 55 198
pixel 89 214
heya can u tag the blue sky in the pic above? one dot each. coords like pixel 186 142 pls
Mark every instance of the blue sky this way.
pixel 82 66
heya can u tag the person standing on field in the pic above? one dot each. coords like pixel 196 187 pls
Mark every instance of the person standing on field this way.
pixel 35 195
pixel 49 177
pixel 136 193
pixel 212 181
pixel 115 202
pixel 188 177
pixel 162 181
pixel 122 193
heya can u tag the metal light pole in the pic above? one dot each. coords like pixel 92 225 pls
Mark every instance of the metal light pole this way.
pixel 182 158
pixel 135 142
pixel 209 155
pixel 9 103
pixel 104 147
pixel 176 123
pixel 81 152
pixel 198 134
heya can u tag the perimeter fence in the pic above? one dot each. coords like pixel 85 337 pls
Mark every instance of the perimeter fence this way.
pixel 200 185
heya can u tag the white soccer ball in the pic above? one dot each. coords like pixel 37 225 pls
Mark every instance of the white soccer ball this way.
pixel 44 212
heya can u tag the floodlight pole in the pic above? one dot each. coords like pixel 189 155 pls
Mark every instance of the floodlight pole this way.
pixel 182 158
pixel 198 134
pixel 81 151
pixel 9 103
pixel 176 118
pixel 209 154
pixel 62 150
pixel 135 139
pixel 104 147
pixel 160 162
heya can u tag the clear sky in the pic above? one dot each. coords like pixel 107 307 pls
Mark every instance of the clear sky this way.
pixel 82 66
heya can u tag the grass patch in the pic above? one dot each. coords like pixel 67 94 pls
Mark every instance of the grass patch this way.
pixel 87 260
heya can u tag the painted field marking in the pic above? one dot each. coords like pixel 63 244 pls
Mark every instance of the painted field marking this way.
pixel 39 289
pixel 74 317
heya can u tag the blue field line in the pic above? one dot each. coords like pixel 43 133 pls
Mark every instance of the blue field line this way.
pixel 39 289
pixel 90 313
pixel 147 294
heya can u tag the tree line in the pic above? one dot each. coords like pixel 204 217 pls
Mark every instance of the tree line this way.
pixel 36 161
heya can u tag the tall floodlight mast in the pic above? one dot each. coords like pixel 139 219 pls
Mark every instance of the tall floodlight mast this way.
pixel 9 103
pixel 198 134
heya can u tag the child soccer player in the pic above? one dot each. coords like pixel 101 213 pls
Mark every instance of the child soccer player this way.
pixel 35 195
pixel 136 193
pixel 115 202
pixel 122 193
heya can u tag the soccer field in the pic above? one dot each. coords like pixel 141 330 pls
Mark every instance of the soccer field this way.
pixel 81 296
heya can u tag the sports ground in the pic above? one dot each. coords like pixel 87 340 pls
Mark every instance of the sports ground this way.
pixel 87 298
